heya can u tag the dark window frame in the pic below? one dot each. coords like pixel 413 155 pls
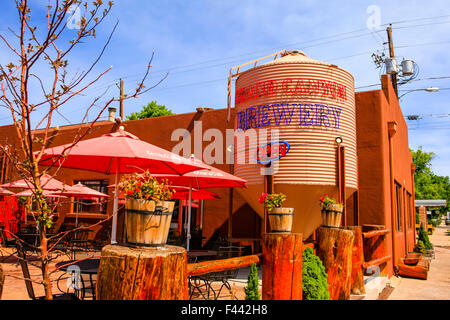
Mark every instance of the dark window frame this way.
pixel 398 206
pixel 411 219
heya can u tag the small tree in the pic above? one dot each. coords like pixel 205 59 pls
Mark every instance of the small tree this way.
pixel 151 110
pixel 37 77
pixel 423 236
pixel 252 288
pixel 420 247
pixel 315 285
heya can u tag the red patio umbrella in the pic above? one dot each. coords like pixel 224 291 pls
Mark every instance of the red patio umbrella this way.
pixel 196 194
pixel 200 179
pixel 4 192
pixel 30 193
pixel 47 183
pixel 79 190
pixel 118 152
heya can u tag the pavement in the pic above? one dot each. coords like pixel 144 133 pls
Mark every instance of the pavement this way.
pixel 437 286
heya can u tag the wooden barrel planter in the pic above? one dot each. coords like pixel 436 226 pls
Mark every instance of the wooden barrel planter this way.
pixel 147 222
pixel 331 216
pixel 280 220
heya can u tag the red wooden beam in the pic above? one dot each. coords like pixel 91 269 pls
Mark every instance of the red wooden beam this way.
pixel 376 262
pixel 195 269
pixel 371 234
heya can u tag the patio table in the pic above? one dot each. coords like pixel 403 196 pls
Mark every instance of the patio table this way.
pixel 88 267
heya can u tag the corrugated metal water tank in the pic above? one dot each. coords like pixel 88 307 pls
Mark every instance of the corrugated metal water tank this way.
pixel 310 103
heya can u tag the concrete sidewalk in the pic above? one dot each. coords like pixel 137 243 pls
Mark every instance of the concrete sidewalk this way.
pixel 437 286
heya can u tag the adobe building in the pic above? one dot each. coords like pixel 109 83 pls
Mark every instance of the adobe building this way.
pixel 375 177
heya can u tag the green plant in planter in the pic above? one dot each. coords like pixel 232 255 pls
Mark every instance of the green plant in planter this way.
pixel 315 285
pixel 327 203
pixel 423 236
pixel 420 247
pixel 145 186
pixel 252 288
pixel 272 201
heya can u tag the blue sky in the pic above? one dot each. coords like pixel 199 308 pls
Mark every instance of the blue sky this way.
pixel 197 42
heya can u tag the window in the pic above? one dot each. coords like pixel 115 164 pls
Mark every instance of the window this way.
pixel 409 212
pixel 94 205
pixel 399 207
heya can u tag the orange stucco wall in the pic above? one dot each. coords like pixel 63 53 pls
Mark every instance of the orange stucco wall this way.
pixel 375 109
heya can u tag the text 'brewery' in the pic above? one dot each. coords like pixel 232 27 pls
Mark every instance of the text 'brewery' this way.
pixel 282 113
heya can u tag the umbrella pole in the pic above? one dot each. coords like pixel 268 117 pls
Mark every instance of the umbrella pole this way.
pixel 201 216
pixel 76 216
pixel 188 237
pixel 116 202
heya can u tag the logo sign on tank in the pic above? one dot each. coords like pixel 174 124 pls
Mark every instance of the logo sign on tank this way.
pixel 271 151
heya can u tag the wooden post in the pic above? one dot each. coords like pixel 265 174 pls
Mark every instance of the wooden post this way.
pixel 282 266
pixel 142 273
pixel 335 248
pixel 392 55
pixel 357 280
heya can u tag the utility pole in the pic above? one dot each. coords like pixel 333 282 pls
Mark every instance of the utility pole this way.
pixel 391 54
pixel 121 99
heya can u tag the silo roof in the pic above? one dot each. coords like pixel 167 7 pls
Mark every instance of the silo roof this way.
pixel 295 56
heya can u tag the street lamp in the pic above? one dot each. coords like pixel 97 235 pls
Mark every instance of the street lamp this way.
pixel 429 89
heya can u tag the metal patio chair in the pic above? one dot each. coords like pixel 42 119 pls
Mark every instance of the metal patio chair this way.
pixel 29 284
pixel 220 277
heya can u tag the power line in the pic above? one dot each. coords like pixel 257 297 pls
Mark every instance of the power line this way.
pixel 157 72
pixel 421 25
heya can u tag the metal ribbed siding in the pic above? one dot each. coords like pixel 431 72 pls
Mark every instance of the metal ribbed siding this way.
pixel 312 157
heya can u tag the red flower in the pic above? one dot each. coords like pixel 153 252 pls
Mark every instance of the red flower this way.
pixel 138 190
pixel 262 197
pixel 130 192
pixel 321 199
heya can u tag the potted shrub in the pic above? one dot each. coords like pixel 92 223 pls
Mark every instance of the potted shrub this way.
pixel 423 236
pixel 148 209
pixel 331 211
pixel 280 218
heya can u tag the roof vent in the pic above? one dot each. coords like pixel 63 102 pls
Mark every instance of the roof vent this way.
pixel 293 53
